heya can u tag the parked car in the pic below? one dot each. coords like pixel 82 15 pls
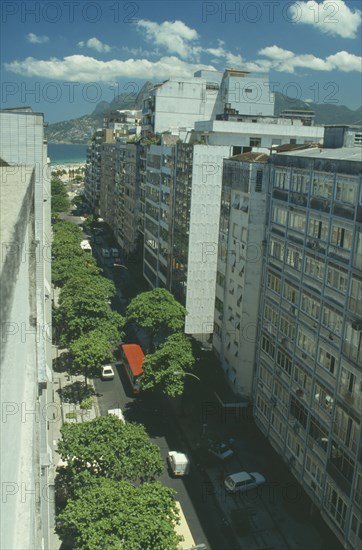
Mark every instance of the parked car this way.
pixel 107 372
pixel 219 450
pixel 243 481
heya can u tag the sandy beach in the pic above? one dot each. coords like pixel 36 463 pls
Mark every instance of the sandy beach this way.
pixel 67 166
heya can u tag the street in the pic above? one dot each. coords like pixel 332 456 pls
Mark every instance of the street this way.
pixel 201 512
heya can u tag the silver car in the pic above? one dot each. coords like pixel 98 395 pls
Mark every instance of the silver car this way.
pixel 243 481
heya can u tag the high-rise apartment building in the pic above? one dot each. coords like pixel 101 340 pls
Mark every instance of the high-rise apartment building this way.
pixel 27 479
pixel 239 267
pixel 308 385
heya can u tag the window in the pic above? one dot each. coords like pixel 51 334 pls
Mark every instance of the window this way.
pixel 346 190
pixel 290 293
pixel 336 506
pixel 302 378
pixel 346 428
pixel 318 228
pixel 294 258
pixel 342 237
pixel 337 278
pixel 298 411
pixel 332 319
pixel 236 150
pixel 306 342
pixel 267 346
pixel 279 215
pixel 277 249
pixel 314 267
pixel 292 141
pixel 284 361
pixel 281 180
pixel 322 185
pixel 274 282
pixel 287 328
pixel 255 142
pixel 297 221
pixel 327 360
pixel 300 182
pixel 310 305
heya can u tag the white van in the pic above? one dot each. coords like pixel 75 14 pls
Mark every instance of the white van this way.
pixel 179 463
pixel 118 413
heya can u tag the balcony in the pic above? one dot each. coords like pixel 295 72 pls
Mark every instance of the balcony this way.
pixel 344 211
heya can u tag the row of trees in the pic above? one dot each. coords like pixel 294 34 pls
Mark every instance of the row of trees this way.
pixel 109 483
pixel 89 329
pixel 60 200
pixel 85 323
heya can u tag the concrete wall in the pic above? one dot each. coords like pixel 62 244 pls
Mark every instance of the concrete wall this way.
pixel 203 237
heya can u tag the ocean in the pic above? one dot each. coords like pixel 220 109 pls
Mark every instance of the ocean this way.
pixel 67 153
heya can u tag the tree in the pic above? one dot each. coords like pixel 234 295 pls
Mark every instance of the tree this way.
pixel 89 352
pixel 110 514
pixel 163 369
pixel 82 313
pixel 106 447
pixel 157 312
pixel 59 200
pixel 65 268
pixel 86 284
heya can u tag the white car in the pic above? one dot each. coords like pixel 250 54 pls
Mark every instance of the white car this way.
pixel 118 413
pixel 107 372
pixel 242 481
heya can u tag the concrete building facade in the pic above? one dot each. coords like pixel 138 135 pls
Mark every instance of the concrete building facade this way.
pixel 239 267
pixel 308 386
pixel 27 477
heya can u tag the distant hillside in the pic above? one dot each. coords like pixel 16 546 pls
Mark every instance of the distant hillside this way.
pixel 80 130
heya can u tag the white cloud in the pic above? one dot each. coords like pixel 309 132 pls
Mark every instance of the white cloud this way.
pixel 80 68
pixel 35 39
pixel 330 17
pixel 174 36
pixel 95 44
pixel 287 61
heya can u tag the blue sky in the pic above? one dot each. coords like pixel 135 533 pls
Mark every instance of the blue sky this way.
pixel 62 58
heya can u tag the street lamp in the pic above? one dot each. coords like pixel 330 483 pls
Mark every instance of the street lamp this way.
pixel 188 374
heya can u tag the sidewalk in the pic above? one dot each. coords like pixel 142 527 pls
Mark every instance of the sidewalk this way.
pixel 66 397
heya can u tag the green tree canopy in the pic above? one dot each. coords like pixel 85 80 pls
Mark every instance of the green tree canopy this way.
pixel 65 268
pixel 60 201
pixel 157 311
pixel 110 515
pixel 106 447
pixel 89 352
pixel 87 285
pixel 82 313
pixel 163 369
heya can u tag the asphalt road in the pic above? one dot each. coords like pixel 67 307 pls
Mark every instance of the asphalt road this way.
pixel 201 512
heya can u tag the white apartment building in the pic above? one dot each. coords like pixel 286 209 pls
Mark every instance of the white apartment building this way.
pixel 126 196
pixel 182 203
pixel 27 477
pixel 257 133
pixel 179 103
pixel 308 385
pixel 239 267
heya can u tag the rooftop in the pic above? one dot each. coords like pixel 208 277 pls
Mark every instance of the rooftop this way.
pixel 341 153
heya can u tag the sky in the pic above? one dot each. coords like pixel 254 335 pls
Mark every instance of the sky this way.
pixel 64 57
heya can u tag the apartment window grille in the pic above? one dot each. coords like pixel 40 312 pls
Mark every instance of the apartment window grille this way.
pixel 358 139
pixel 259 181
